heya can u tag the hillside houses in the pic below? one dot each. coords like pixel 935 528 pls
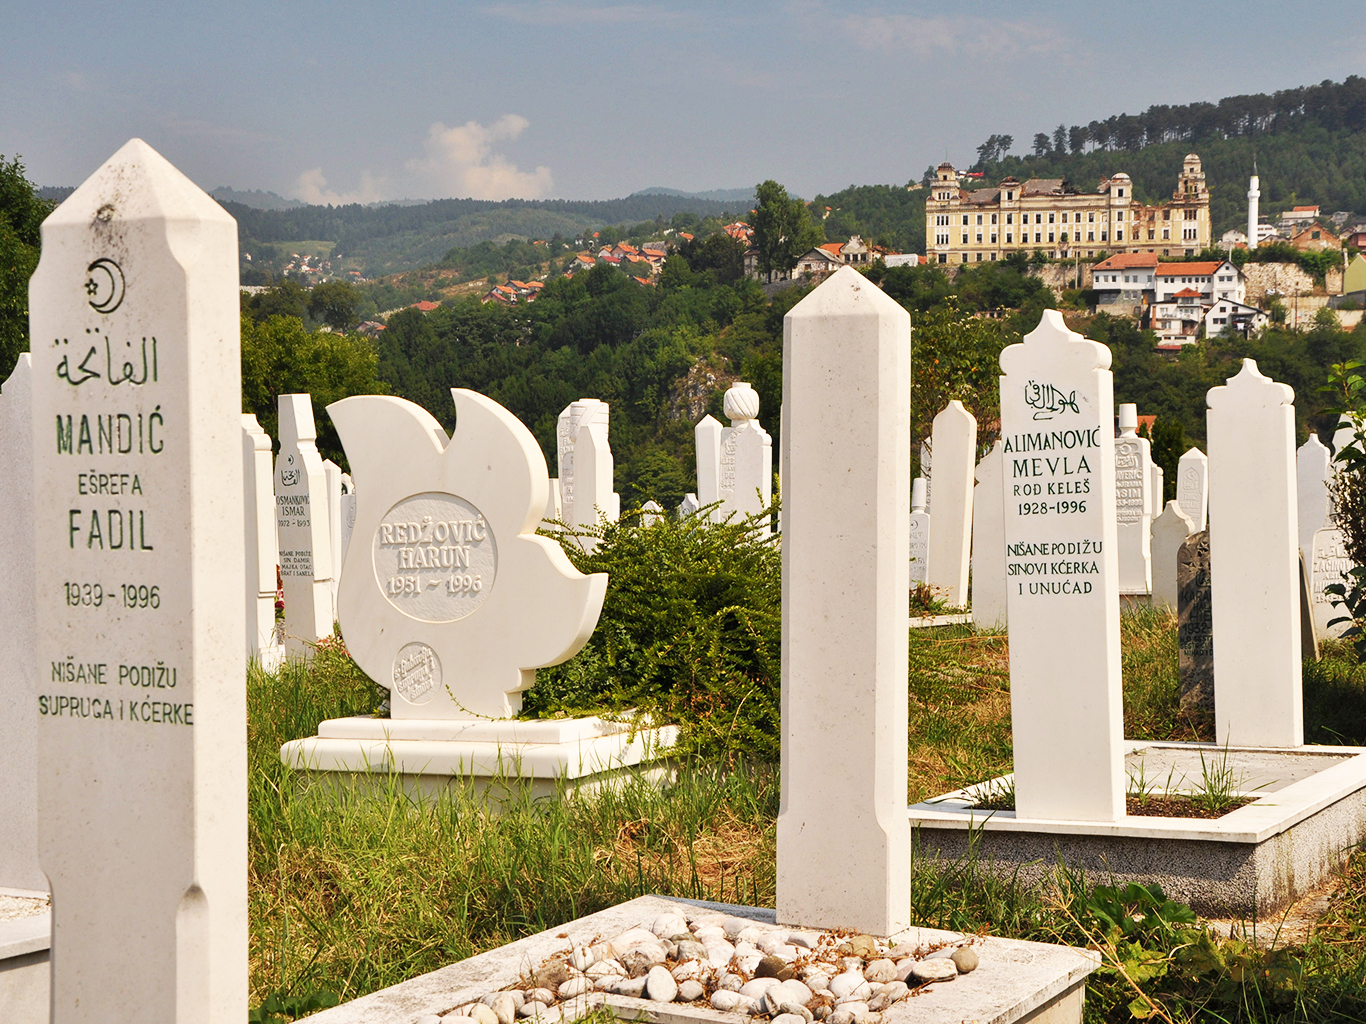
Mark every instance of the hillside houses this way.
pixel 826 259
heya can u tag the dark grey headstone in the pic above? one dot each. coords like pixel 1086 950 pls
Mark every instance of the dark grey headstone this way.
pixel 1194 631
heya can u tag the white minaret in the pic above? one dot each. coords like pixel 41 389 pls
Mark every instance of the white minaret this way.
pixel 1253 195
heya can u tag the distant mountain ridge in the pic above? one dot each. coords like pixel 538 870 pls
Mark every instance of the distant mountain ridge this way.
pixel 720 195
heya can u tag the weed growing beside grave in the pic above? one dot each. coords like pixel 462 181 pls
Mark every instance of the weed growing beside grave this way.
pixel 690 633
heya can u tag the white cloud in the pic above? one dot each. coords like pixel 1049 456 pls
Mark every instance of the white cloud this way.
pixel 460 161
pixel 957 35
pixel 312 188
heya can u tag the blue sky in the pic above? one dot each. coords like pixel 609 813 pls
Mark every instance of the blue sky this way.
pixel 590 99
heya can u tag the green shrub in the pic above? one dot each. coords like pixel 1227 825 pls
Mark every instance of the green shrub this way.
pixel 689 633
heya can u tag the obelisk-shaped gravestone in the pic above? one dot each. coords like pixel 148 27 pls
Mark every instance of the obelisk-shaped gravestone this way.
pixel 989 544
pixel 1192 487
pixel 18 743
pixel 1062 575
pixel 954 441
pixel 302 519
pixel 262 554
pixel 846 375
pixel 920 532
pixel 1254 563
pixel 1313 469
pixel 707 441
pixel 139 536
pixel 1133 493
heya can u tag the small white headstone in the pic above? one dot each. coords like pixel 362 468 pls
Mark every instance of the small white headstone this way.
pixel 955 449
pixel 1170 531
pixel 926 465
pixel 846 374
pixel 707 438
pixel 1328 565
pixel 989 544
pixel 452 601
pixel 1192 487
pixel 262 554
pixel 1062 574
pixel 689 505
pixel 572 450
pixel 1313 471
pixel 348 517
pixel 142 793
pixel 1133 483
pixel 18 690
pixel 1345 434
pixel 920 532
pixel 302 521
pixel 1158 488
pixel 1254 562
pixel 650 513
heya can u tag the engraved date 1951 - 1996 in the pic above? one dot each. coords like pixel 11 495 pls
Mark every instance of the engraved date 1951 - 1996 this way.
pixel 124 595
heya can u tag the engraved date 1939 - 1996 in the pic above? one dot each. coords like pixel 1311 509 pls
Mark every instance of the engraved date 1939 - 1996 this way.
pixel 124 595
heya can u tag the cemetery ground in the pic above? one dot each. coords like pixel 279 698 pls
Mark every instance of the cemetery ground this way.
pixel 351 893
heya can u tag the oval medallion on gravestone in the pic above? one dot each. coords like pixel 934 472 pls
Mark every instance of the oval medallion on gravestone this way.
pixel 435 557
pixel 417 673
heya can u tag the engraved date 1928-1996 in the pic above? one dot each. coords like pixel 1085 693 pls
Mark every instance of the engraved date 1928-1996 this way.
pixel 124 595
pixel 1043 508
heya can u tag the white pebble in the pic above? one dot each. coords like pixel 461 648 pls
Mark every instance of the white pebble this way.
pixel 666 926
pixel 854 1006
pixel 505 1006
pixel 711 931
pixel 840 1017
pixel 575 987
pixel 796 991
pixel 756 988
pixel 860 994
pixel 685 971
pixel 725 1000
pixel 482 1014
pixel 842 984
pixel 880 971
pixel 430 1018
pixel 660 985
pixel 807 940
pixel 634 987
pixel 582 958
pixel 851 963
pixel 606 968
pixel 690 991
pixel 942 969
pixel 817 982
pixel 788 1018
pixel 455 1018
pixel 540 995
pixel 753 933
pixel 730 982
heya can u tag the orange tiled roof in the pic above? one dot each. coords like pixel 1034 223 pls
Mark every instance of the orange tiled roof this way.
pixel 1127 261
pixel 1306 209
pixel 1182 269
pixel 426 306
pixel 831 247
pixel 1187 293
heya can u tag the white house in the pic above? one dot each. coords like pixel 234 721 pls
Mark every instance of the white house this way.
pixel 1231 315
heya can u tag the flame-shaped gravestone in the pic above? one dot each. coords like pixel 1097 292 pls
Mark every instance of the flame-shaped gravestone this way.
pixel 447 595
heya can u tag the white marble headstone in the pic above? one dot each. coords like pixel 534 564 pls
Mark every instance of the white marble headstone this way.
pixel 572 448
pixel 302 523
pixel 689 506
pixel 920 532
pixel 448 597
pixel 954 440
pixel 1254 562
pixel 18 685
pixel 1314 504
pixel 1192 487
pixel 650 513
pixel 1133 490
pixel 262 553
pixel 1170 531
pixel 1157 489
pixel 707 439
pixel 846 375
pixel 989 544
pixel 142 793
pixel 1328 564
pixel 1062 575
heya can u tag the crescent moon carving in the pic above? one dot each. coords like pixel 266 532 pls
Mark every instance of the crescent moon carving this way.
pixel 104 285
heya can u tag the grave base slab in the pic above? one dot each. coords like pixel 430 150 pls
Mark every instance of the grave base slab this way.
pixel 430 757
pixel 1016 981
pixel 1308 811
pixel 950 619
pixel 24 969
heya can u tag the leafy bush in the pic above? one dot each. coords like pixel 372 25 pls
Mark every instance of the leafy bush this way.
pixel 690 632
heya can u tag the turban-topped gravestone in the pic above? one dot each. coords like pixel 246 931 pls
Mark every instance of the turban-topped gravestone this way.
pixel 447 596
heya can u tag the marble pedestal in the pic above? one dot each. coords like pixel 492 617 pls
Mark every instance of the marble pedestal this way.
pixel 1306 817
pixel 432 756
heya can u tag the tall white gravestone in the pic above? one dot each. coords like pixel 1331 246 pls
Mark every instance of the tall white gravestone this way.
pixel 1313 470
pixel 585 464
pixel 302 525
pixel 18 685
pixel 735 463
pixel 1157 489
pixel 1133 489
pixel 448 597
pixel 955 456
pixel 1170 531
pixel 846 431
pixel 1254 562
pixel 139 531
pixel 1192 487
pixel 989 544
pixel 1328 564
pixel 1062 575
pixel 262 553
pixel 920 532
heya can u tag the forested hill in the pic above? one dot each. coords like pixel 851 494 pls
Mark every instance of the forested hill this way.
pixel 385 239
pixel 1309 144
